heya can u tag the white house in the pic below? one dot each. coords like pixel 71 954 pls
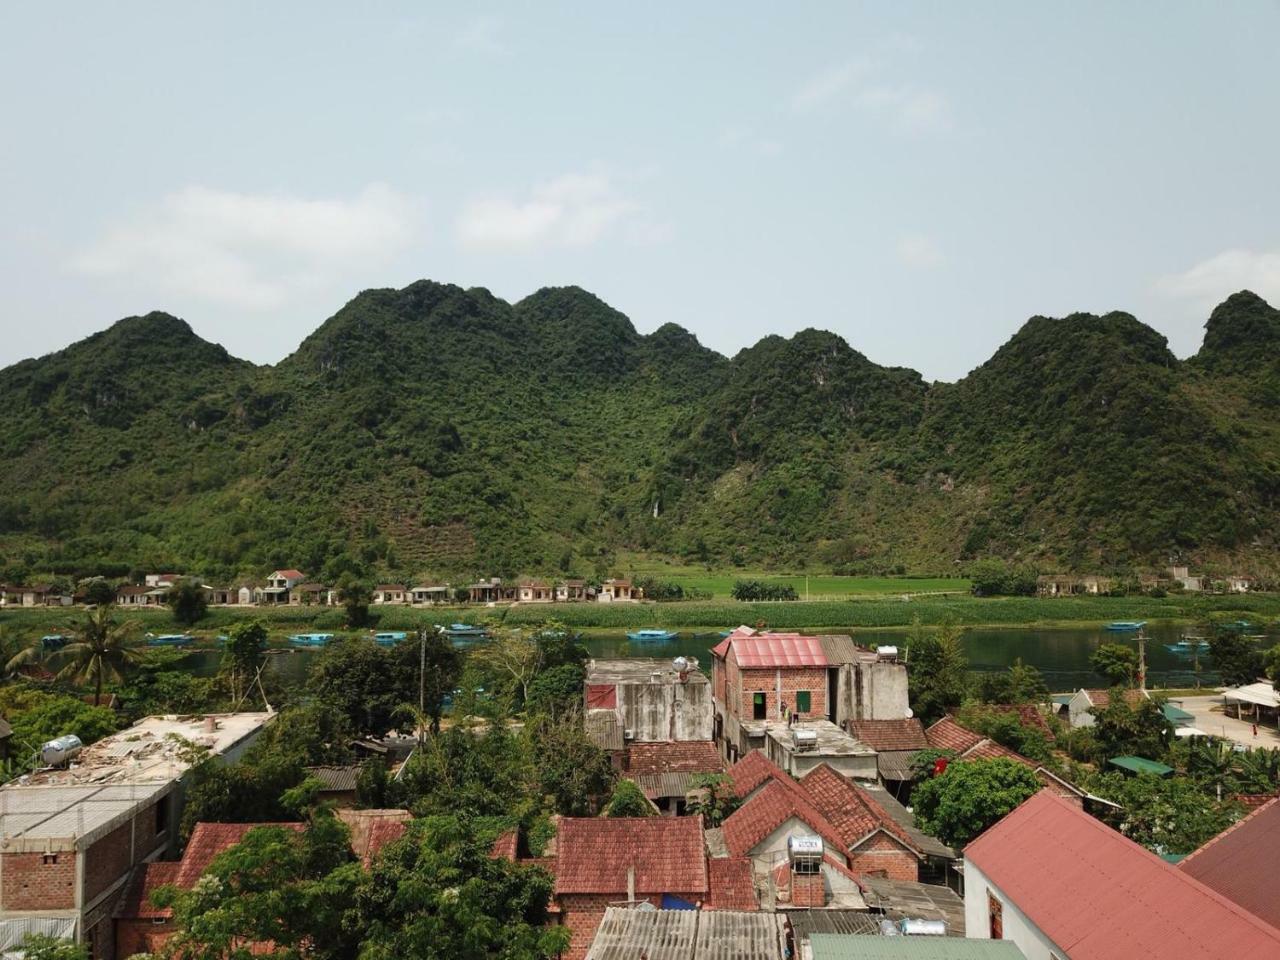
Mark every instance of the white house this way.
pixel 278 586
pixel 614 590
pixel 1078 706
pixel 1061 884
pixel 390 593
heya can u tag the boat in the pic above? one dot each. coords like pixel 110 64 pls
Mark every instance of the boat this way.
pixel 54 641
pixel 651 636
pixel 465 630
pixel 310 639
pixel 1188 645
pixel 169 639
pixel 1126 626
pixel 389 639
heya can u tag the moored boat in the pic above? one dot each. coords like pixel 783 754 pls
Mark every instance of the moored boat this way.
pixel 310 639
pixel 389 639
pixel 1126 626
pixel 651 636
pixel 169 639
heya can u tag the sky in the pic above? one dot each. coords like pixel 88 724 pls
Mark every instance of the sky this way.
pixel 919 178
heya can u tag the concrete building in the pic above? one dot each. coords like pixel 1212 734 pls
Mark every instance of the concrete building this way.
pixel 1083 701
pixel 651 700
pixel 69 837
pixel 806 745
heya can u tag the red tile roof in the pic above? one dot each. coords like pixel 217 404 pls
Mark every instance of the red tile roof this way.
pixel 732 886
pixel 1240 862
pixel 507 846
pixel 1102 698
pixel 682 756
pixel 371 830
pixel 853 811
pixel 291 574
pixel 668 854
pixel 147 877
pixel 1099 896
pixel 946 734
pixel 210 839
pixel 769 809
pixel 777 650
pixel 752 771
pixel 882 735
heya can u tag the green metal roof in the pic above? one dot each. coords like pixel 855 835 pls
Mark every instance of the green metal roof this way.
pixel 1176 714
pixel 1140 765
pixel 835 946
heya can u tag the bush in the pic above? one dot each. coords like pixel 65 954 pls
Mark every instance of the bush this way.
pixel 760 590
pixel 628 801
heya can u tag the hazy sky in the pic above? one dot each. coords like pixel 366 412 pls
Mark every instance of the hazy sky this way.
pixel 919 178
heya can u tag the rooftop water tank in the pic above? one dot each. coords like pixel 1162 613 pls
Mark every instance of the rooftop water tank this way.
pixel 886 653
pixel 62 750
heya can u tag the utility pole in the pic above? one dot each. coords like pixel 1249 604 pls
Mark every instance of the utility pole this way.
pixel 422 682
pixel 1142 659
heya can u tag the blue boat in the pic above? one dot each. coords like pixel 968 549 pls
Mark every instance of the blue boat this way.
pixel 389 639
pixel 54 641
pixel 310 639
pixel 1188 646
pixel 169 639
pixel 1126 626
pixel 651 636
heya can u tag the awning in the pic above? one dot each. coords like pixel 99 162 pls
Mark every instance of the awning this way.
pixel 1189 732
pixel 1141 765
pixel 17 929
pixel 1262 694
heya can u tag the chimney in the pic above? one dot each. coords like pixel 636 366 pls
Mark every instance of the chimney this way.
pixel 631 884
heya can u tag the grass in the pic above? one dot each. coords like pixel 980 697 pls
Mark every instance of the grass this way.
pixel 870 612
pixel 815 586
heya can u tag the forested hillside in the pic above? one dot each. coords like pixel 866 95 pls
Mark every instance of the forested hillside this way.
pixel 441 431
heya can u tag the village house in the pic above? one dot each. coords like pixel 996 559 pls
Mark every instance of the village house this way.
pixel 966 744
pixel 803 745
pixel 756 675
pixel 310 595
pixel 219 596
pixel 492 590
pixel 161 579
pixel 279 583
pixel 10 596
pixel 69 836
pixel 1064 886
pixel 1183 576
pixel 390 593
pixel 1066 585
pixel 648 700
pixel 247 593
pixel 1239 863
pixel 373 829
pixel 858 834
pixel 429 593
pixel 895 743
pixel 613 590
pixel 1239 584
pixel 1083 701
pixel 571 591
pixel 534 591
pixel 132 595
pixel 666 771
pixel 337 784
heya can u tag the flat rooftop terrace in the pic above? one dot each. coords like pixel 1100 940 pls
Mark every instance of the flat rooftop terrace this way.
pixel 640 670
pixel 831 740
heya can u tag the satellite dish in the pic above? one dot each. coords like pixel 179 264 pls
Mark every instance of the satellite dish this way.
pixel 909 713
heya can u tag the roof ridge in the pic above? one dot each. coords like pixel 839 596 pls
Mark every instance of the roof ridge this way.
pixel 1231 829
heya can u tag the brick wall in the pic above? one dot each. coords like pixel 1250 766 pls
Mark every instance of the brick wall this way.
pixel 885 856
pixel 29 883
pixel 140 936
pixel 807 890
pixel 108 861
pixel 719 682
pixel 145 837
pixel 792 681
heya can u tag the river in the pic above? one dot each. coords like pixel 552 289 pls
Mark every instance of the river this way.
pixel 1061 654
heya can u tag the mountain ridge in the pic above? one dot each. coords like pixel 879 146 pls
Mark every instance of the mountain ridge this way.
pixel 441 430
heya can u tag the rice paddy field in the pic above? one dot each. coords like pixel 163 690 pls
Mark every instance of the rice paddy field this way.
pixel 814 587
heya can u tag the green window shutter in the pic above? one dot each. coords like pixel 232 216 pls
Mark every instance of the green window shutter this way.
pixel 803 701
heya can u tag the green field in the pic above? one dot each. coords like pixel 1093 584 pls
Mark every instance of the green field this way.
pixel 814 587
pixel 870 612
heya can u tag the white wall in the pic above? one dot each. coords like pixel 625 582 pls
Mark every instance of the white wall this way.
pixel 1078 710
pixel 1018 928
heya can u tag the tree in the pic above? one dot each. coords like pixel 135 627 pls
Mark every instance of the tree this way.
pixel 1116 662
pixel 243 657
pixel 513 658
pixel 366 682
pixel 714 797
pixel 158 684
pixel 37 717
pixel 355 597
pixel 628 801
pixel 38 946
pixel 440 671
pixel 938 673
pixel 969 796
pixel 187 601
pixel 438 893
pixel 1234 655
pixel 103 651
pixel 1164 815
pixel 98 592
pixel 1122 730
pixel 1006 728
pixel 1021 683
pixel 373 785
pixel 557 690
pixel 570 768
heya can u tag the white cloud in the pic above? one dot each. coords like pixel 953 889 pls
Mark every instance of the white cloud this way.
pixel 919 251
pixel 483 35
pixel 745 140
pixel 1211 281
pixel 871 86
pixel 571 211
pixel 256 251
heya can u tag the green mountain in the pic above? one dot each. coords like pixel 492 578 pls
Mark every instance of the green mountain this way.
pixel 436 431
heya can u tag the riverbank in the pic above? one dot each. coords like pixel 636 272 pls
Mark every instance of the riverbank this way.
pixel 869 613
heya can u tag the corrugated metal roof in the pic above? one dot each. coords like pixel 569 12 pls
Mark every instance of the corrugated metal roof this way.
pixel 626 934
pixel 336 779
pixel 602 729
pixel 778 650
pixel 1240 862
pixel 1100 896
pixel 829 946
pixel 919 901
pixel 895 764
pixel 806 923
pixel 660 785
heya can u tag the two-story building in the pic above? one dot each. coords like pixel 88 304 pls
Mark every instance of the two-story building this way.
pixel 647 700
pixel 70 835
pixel 279 583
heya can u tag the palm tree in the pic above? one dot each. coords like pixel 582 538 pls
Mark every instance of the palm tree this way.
pixel 15 653
pixel 103 651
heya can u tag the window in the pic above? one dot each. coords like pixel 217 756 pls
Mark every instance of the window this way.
pixel 50 859
pixel 758 707
pixel 995 916
pixel 804 701
pixel 162 816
